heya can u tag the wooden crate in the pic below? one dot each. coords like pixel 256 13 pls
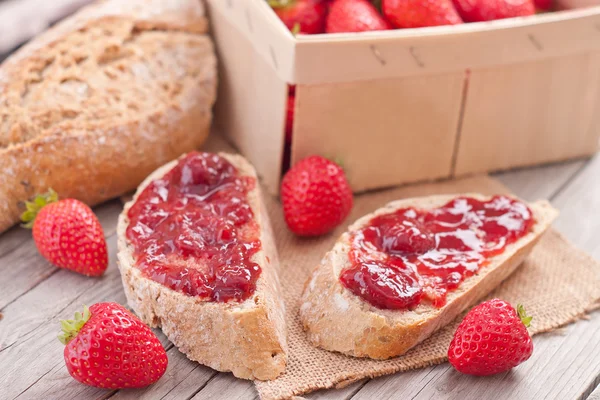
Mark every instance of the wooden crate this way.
pixel 410 105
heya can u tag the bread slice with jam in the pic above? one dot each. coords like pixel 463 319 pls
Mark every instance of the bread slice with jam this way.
pixel 197 259
pixel 410 268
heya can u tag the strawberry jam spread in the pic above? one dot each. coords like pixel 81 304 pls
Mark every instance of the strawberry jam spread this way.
pixel 402 258
pixel 193 230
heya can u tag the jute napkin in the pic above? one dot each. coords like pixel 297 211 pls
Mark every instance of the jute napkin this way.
pixel 557 283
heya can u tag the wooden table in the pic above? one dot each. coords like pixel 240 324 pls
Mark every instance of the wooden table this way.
pixel 34 295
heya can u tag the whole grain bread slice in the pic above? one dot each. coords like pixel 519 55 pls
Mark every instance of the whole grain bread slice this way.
pixel 247 338
pixel 99 101
pixel 337 320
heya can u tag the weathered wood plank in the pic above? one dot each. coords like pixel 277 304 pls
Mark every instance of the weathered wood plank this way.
pixel 540 182
pixel 579 203
pixel 226 386
pixel 23 268
pixel 337 394
pixel 547 364
pixel 404 385
pixel 244 390
pixel 57 384
pixel 12 239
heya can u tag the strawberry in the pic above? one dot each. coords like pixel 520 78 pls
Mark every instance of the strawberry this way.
pixel 289 122
pixel 354 16
pixel 301 16
pixel 543 5
pixel 316 196
pixel 67 233
pixel 418 13
pixel 487 10
pixel 492 338
pixel 109 347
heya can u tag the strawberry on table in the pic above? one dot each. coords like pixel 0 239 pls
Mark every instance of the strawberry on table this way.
pixel 492 338
pixel 316 196
pixel 488 10
pixel 354 16
pixel 301 16
pixel 108 347
pixel 67 233
pixel 420 13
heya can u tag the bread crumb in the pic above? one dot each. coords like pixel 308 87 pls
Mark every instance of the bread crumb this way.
pixel 1 316
pixel 341 302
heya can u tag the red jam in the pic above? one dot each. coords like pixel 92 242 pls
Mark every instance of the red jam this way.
pixel 193 230
pixel 402 258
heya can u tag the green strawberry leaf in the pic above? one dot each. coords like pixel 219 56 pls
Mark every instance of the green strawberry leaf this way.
pixel 34 207
pixel 523 315
pixel 71 327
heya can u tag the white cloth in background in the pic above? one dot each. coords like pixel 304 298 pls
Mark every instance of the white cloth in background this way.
pixel 20 20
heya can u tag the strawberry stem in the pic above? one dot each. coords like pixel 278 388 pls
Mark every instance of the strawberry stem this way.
pixel 296 29
pixel 279 3
pixel 526 319
pixel 71 327
pixel 377 4
pixel 34 207
pixel 337 160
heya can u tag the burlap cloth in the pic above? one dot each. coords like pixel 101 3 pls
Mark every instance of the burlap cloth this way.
pixel 558 284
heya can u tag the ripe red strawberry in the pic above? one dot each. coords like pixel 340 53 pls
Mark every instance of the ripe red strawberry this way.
pixel 492 338
pixel 419 13
pixel 67 233
pixel 301 16
pixel 354 16
pixel 488 10
pixel 543 5
pixel 316 196
pixel 109 347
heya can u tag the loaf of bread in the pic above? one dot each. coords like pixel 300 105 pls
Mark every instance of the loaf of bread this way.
pixel 245 337
pixel 337 320
pixel 93 105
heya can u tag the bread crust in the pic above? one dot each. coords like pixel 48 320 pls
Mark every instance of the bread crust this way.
pixel 337 320
pixel 247 338
pixel 46 142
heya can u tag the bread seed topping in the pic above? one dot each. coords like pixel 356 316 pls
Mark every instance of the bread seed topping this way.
pixel 193 230
pixel 408 256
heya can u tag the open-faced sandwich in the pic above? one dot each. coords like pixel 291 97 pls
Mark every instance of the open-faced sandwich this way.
pixel 197 258
pixel 401 273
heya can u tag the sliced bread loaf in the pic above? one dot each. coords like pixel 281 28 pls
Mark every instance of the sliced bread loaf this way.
pixel 96 103
pixel 245 337
pixel 338 320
